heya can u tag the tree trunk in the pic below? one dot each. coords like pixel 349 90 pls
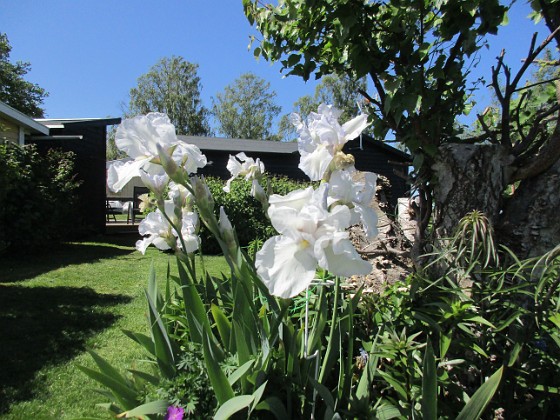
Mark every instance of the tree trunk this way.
pixel 530 222
pixel 473 177
pixel 467 177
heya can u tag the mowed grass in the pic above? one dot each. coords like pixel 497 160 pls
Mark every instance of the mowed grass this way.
pixel 57 304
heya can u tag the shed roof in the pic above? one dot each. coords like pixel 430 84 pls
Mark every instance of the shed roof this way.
pixel 21 119
pixel 240 145
pixel 267 146
pixel 63 122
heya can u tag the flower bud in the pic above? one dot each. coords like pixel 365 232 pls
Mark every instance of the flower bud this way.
pixel 227 233
pixel 202 193
pixel 174 171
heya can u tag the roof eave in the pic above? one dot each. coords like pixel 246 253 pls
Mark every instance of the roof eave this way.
pixel 22 119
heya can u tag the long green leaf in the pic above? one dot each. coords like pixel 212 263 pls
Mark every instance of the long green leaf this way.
pixel 319 322
pixel 194 307
pixel 154 380
pixel 387 412
pixel 164 351
pixel 224 326
pixel 154 407
pixel 123 394
pixel 218 379
pixel 143 340
pixel 152 289
pixel 334 337
pixel 397 386
pixel 429 384
pixel 275 406
pixel 245 315
pixel 480 399
pixel 324 393
pixel 243 351
pixel 106 368
pixel 240 371
pixel 362 392
pixel 232 406
pixel 257 395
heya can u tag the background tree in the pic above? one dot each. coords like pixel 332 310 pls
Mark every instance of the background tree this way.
pixel 15 91
pixel 340 91
pixel 417 55
pixel 112 151
pixel 303 106
pixel 246 108
pixel 172 86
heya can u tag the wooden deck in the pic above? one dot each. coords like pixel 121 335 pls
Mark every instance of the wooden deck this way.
pixel 121 227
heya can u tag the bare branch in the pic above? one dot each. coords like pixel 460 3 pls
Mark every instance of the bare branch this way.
pixel 486 129
pixel 369 97
pixel 533 54
pixel 537 84
pixel 516 114
pixel 548 154
pixel 537 126
pixel 385 251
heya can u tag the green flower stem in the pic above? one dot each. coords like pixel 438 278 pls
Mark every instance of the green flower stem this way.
pixel 347 383
pixel 332 331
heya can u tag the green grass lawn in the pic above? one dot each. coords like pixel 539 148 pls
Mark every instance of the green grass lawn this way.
pixel 57 304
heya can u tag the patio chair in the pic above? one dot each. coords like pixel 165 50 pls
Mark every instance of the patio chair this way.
pixel 134 210
pixel 110 211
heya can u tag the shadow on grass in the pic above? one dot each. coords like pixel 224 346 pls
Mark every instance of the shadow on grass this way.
pixel 18 267
pixel 44 326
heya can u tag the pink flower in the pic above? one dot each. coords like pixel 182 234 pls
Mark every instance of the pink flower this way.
pixel 174 413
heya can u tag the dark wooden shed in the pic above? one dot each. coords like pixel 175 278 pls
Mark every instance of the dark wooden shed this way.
pixel 282 158
pixel 87 138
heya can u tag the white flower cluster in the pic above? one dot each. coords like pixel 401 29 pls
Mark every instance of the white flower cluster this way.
pixel 144 138
pixel 311 222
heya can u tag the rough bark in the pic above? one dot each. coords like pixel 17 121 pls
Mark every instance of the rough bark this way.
pixel 473 177
pixel 530 223
pixel 467 177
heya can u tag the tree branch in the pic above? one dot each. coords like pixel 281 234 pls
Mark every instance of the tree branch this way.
pixel 529 139
pixel 486 129
pixel 531 56
pixel 548 154
pixel 369 98
pixel 551 21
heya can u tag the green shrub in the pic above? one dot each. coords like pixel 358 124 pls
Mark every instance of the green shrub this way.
pixel 245 212
pixel 190 388
pixel 36 196
pixel 475 311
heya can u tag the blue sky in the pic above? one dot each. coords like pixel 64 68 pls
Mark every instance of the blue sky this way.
pixel 88 53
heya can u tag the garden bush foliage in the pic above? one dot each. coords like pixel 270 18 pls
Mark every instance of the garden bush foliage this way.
pixel 36 196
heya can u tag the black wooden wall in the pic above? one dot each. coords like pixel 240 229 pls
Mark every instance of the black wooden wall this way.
pixel 90 158
pixel 369 157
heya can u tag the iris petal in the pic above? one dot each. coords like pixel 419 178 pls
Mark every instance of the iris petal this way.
pixel 284 267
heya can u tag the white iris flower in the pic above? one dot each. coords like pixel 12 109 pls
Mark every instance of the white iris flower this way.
pixel 310 235
pixel 139 137
pixel 357 196
pixel 158 231
pixel 241 165
pixel 322 138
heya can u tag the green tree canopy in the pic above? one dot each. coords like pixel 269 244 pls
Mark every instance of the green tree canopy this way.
pixel 417 55
pixel 172 86
pixel 15 91
pixel 246 108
